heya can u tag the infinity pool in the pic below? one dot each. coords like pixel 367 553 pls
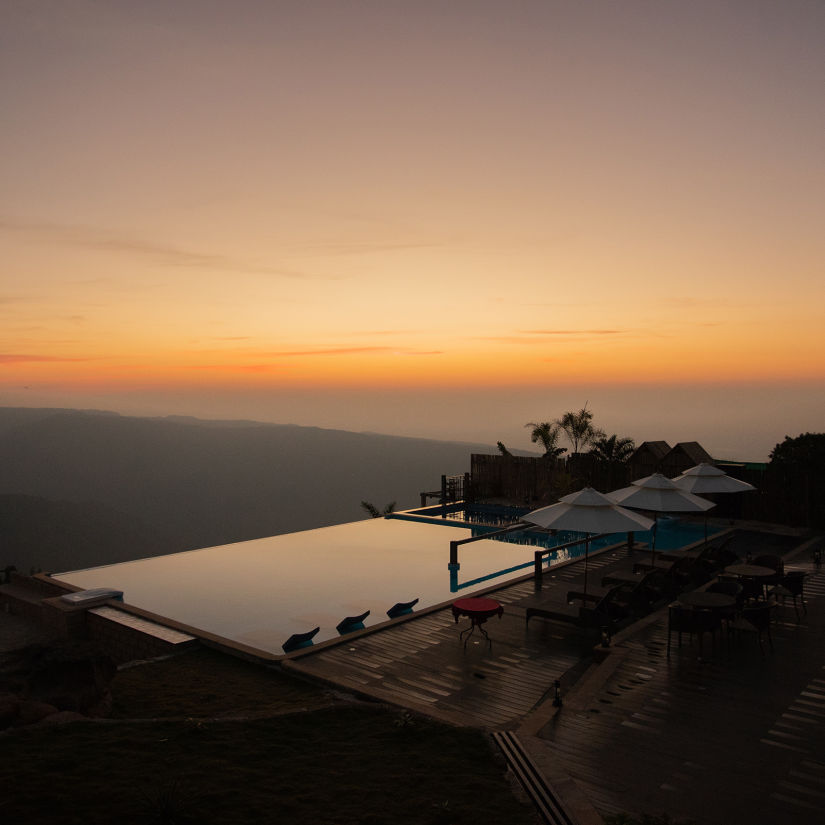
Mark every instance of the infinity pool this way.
pixel 260 592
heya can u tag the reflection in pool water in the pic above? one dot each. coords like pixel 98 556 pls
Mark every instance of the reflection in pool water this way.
pixel 260 592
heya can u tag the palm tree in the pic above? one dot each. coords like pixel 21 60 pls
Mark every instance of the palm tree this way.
pixel 612 451
pixel 502 449
pixel 578 427
pixel 548 434
pixel 375 512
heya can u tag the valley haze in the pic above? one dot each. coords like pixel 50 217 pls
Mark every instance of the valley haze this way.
pixel 80 488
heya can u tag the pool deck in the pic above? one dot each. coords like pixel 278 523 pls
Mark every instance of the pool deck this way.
pixel 731 737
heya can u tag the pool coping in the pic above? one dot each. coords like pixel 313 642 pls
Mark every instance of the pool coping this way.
pixel 252 653
pixel 256 654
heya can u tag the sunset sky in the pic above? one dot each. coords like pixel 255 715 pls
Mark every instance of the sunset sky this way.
pixel 427 218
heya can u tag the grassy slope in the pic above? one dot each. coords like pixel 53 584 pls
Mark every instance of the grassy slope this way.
pixel 337 763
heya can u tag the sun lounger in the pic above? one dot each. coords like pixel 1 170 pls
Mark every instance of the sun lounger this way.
pixel 644 590
pixel 402 608
pixel 660 564
pixel 605 613
pixel 685 573
pixel 716 553
pixel 632 597
pixel 351 623
pixel 656 585
pixel 298 640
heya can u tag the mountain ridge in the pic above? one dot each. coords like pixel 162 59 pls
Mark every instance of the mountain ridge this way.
pixel 198 483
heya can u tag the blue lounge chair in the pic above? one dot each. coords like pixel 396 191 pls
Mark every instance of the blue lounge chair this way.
pixel 351 623
pixel 401 608
pixel 298 640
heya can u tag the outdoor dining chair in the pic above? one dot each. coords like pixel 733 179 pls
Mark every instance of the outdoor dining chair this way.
pixel 791 584
pixel 728 588
pixel 775 563
pixel 681 619
pixel 756 619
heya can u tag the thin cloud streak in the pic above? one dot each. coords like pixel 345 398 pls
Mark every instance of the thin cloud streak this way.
pixel 350 351
pixel 319 353
pixel 533 337
pixel 573 331
pixel 381 332
pixel 334 351
pixel 14 358
pixel 421 352
pixel 102 240
pixel 370 247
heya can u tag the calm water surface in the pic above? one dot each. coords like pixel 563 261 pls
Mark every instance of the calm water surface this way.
pixel 260 592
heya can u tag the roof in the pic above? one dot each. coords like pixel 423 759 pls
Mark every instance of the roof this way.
pixel 659 449
pixel 694 451
pixel 746 465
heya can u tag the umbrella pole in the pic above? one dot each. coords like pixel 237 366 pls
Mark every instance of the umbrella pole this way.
pixel 586 553
pixel 653 543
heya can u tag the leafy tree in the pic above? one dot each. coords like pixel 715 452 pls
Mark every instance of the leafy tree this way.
pixel 805 452
pixel 578 427
pixel 502 449
pixel 547 434
pixel 796 479
pixel 375 512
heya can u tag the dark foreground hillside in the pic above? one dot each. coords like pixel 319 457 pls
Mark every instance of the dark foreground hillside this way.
pixel 179 484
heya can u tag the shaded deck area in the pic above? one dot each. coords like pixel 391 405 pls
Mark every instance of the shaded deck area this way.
pixel 728 737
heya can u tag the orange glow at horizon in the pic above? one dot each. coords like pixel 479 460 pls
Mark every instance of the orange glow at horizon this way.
pixel 716 358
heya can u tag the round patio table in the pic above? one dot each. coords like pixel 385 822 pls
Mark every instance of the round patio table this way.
pixel 478 610
pixel 750 571
pixel 703 600
pixel 755 572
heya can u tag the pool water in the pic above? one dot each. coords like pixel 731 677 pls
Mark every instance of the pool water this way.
pixel 260 592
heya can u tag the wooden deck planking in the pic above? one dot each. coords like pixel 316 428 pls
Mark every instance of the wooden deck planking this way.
pixel 686 728
pixel 491 685
pixel 672 723
pixel 423 662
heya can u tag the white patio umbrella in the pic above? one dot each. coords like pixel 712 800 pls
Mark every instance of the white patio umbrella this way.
pixel 660 495
pixel 588 511
pixel 705 478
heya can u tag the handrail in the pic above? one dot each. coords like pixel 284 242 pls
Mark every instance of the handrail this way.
pixel 454 544
pixel 539 554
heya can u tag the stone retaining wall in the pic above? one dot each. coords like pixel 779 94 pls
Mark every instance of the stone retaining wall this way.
pixel 125 644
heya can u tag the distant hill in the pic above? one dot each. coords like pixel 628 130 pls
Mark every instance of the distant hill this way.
pixel 64 535
pixel 181 483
